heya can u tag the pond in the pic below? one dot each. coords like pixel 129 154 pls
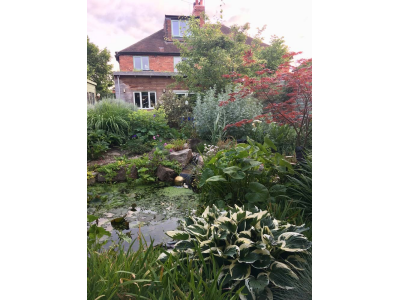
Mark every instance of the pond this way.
pixel 124 209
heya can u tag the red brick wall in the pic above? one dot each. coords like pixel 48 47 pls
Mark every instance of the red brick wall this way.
pixel 161 63
pixel 157 63
pixel 143 84
pixel 126 63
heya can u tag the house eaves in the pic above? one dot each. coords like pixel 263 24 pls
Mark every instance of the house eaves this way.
pixel 146 74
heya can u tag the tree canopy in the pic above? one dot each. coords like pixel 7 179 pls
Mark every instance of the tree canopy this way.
pixel 210 54
pixel 98 69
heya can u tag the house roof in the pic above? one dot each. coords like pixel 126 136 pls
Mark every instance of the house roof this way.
pixel 91 82
pixel 156 44
pixel 146 73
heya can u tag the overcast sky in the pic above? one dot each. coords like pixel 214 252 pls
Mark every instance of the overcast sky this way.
pixel 117 24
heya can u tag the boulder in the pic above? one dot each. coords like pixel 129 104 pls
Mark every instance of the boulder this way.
pixel 165 174
pixel 183 156
pixel 121 175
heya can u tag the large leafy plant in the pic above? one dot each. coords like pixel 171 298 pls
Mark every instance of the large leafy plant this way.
pixel 247 174
pixel 253 250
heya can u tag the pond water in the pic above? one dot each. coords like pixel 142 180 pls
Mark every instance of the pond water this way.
pixel 151 209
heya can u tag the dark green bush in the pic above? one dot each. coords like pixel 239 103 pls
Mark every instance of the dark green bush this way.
pixel 97 143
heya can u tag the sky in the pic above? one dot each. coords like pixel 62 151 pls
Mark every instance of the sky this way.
pixel 117 24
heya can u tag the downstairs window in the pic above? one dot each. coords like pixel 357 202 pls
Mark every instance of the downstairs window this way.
pixel 145 100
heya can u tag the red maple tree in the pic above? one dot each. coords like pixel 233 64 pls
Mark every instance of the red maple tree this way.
pixel 296 111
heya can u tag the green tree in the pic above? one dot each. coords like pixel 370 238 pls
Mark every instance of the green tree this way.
pixel 271 56
pixel 210 54
pixel 98 69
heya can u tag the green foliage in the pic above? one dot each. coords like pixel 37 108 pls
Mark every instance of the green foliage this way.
pixel 283 136
pixel 149 125
pixel 178 144
pixel 210 54
pixel 254 250
pixel 271 56
pixel 299 186
pixel 97 143
pixel 211 118
pixel 120 274
pixel 98 68
pixel 137 146
pixel 110 115
pixel 246 174
pixel 175 108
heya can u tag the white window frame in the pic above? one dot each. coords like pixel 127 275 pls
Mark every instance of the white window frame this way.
pixel 179 27
pixel 141 104
pixel 141 63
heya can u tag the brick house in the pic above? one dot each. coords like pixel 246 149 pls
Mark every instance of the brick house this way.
pixel 148 66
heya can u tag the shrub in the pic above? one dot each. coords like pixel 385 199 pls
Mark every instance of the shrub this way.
pixel 110 115
pixel 149 125
pixel 254 250
pixel 97 143
pixel 175 108
pixel 211 119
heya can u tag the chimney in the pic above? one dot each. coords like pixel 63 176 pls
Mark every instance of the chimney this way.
pixel 198 10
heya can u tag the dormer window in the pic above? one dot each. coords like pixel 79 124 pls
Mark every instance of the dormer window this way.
pixel 141 63
pixel 178 28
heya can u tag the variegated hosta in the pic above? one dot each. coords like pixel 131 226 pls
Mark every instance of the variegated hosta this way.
pixel 253 249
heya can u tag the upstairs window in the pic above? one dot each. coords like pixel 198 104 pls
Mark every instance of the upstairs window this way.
pixel 178 28
pixel 141 63
pixel 177 59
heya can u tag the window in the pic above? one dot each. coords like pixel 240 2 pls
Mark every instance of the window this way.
pixel 177 59
pixel 178 27
pixel 145 100
pixel 141 63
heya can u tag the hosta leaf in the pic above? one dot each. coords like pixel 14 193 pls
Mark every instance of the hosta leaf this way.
pixel 257 286
pixel 296 261
pixel 232 251
pixel 225 276
pixel 188 221
pixel 239 271
pixel 279 229
pixel 214 250
pixel 196 230
pixel 186 244
pixel 293 242
pixel 262 264
pixel 245 234
pixel 244 242
pixel 281 275
pixel 253 256
pixel 178 235
pixel 228 224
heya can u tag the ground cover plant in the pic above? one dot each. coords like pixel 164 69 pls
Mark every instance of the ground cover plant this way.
pixel 253 250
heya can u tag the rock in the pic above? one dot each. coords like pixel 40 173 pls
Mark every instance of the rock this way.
pixel 165 174
pixel 114 154
pixel 200 161
pixel 183 156
pixel 121 175
pixel 91 181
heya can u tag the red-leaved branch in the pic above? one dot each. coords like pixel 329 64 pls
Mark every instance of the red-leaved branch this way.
pixel 295 81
